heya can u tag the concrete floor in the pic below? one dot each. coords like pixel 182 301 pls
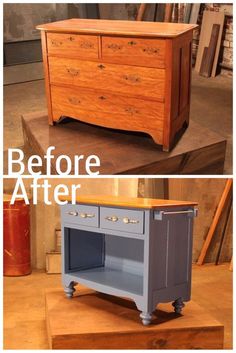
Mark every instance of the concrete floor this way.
pixel 211 106
pixel 24 308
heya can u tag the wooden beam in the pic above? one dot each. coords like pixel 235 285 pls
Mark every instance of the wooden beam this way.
pixel 215 221
pixel 168 12
pixel 141 11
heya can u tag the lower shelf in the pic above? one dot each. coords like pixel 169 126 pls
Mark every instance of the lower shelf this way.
pixel 113 278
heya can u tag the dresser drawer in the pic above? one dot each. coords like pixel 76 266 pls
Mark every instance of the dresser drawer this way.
pixel 81 214
pixel 108 110
pixel 134 51
pixel 72 45
pixel 122 220
pixel 131 80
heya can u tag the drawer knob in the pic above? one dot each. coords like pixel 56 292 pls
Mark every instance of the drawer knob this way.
pixel 132 43
pixel 86 215
pixel 102 97
pixel 101 66
pixel 112 218
pixel 72 213
pixel 126 220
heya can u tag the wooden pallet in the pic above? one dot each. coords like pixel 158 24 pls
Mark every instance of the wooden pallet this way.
pixel 97 321
pixel 199 151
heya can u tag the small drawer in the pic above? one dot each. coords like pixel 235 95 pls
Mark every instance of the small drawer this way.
pixel 72 45
pixel 122 220
pixel 134 51
pixel 81 214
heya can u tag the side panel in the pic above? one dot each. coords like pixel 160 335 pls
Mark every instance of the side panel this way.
pixel 171 256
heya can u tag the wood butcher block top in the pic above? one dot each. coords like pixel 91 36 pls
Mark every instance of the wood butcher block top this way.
pixel 114 27
pixel 134 202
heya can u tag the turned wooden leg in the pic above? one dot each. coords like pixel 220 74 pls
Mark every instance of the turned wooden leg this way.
pixel 69 290
pixel 146 318
pixel 178 305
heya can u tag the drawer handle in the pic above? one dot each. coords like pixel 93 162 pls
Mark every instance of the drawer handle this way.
pixel 74 100
pixel 72 71
pixel 72 213
pixel 114 47
pixel 71 38
pixel 86 215
pixel 131 111
pixel 151 51
pixel 127 220
pixel 86 45
pixel 101 66
pixel 112 218
pixel 102 97
pixel 132 43
pixel 132 78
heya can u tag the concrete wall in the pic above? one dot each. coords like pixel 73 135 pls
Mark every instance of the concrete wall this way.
pixel 21 19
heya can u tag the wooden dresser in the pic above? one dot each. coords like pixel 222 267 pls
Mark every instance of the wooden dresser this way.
pixel 127 75
pixel 130 247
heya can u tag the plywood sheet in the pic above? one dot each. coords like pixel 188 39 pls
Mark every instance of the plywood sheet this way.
pixel 209 18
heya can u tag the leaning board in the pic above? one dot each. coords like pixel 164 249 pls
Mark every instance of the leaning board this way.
pixel 199 151
pixel 94 320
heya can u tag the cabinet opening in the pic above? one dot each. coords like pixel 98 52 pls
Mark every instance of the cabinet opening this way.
pixel 105 259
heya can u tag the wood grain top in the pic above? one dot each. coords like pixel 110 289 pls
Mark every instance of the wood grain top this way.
pixel 132 202
pixel 115 27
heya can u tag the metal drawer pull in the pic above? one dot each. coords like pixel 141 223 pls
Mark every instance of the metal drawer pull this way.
pixel 126 220
pixel 73 213
pixel 112 218
pixel 86 215
pixel 176 212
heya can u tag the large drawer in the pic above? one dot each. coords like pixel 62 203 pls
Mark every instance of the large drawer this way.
pixel 134 51
pixel 81 214
pixel 108 110
pixel 141 81
pixel 123 220
pixel 72 45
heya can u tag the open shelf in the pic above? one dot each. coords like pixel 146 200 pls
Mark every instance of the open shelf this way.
pixel 114 278
pixel 104 262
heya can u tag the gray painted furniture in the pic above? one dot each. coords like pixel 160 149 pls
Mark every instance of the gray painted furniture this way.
pixel 135 248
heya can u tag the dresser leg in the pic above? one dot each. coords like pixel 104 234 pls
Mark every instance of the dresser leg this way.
pixel 178 305
pixel 69 290
pixel 146 318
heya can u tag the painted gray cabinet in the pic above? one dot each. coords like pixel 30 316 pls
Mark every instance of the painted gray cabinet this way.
pixel 144 254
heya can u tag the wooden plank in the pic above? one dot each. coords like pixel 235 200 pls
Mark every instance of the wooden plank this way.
pixel 209 18
pixel 107 322
pixel 207 192
pixel 209 54
pixel 53 262
pixel 192 155
pixel 168 12
pixel 141 11
pixel 194 13
pixel 187 12
pixel 215 221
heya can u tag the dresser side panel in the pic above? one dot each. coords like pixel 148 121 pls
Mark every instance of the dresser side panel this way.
pixel 46 75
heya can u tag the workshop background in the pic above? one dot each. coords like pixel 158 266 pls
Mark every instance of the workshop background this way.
pixel 211 98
